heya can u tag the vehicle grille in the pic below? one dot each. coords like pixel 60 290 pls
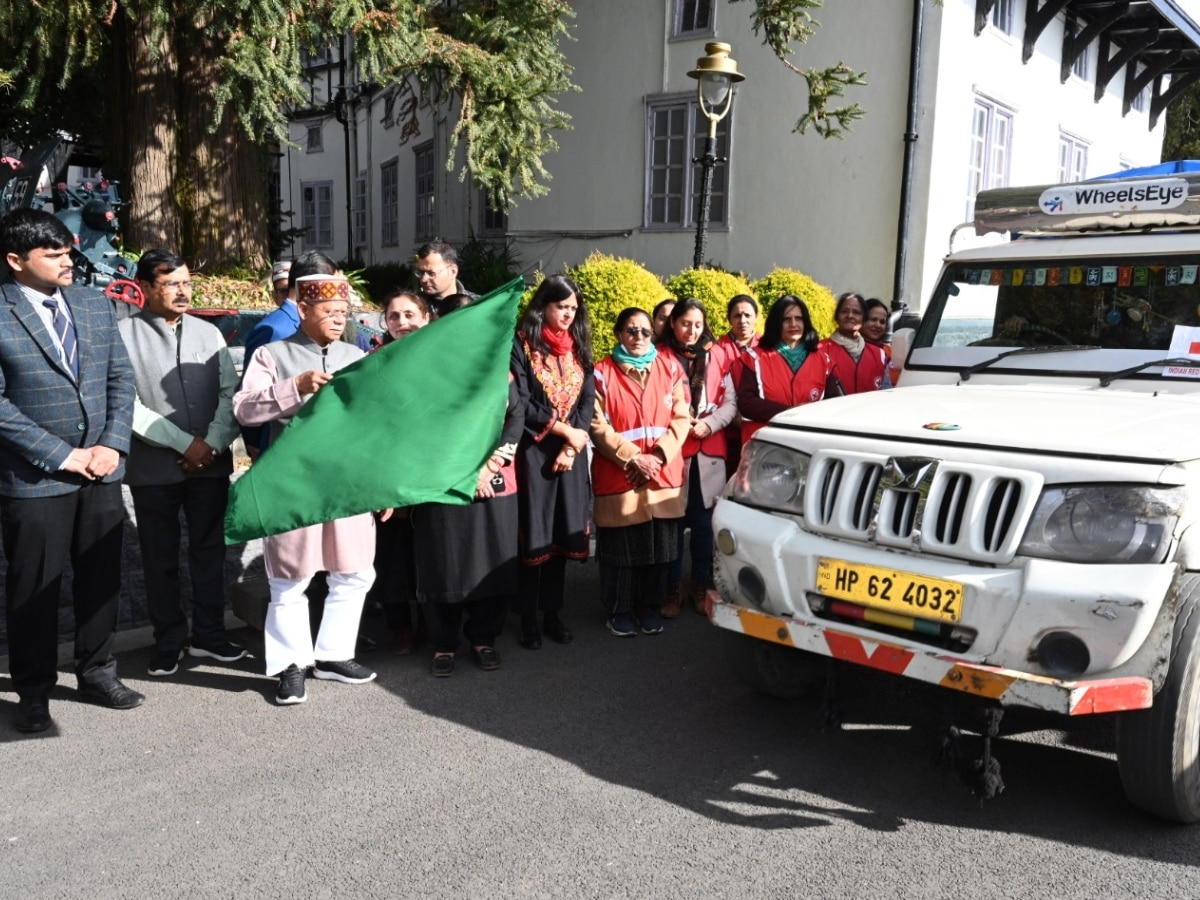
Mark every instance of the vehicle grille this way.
pixel 950 508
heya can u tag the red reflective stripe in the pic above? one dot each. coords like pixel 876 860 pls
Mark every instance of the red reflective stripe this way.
pixel 884 657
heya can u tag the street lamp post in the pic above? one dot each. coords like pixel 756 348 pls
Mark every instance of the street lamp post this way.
pixel 715 73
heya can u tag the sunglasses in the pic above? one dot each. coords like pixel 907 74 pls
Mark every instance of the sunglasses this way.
pixel 639 332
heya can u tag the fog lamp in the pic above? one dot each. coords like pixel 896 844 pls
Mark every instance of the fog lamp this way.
pixel 1063 655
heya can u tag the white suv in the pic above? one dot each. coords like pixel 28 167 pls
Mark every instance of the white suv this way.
pixel 1017 520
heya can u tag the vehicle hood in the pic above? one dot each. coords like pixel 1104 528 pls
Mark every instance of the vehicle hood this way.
pixel 1086 421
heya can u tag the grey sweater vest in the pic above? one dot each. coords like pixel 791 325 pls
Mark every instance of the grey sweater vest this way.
pixel 300 353
pixel 181 381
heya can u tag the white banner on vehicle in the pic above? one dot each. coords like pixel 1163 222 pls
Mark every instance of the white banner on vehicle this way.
pixel 1076 199
pixel 1185 341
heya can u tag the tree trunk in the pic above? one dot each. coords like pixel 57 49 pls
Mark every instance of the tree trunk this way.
pixel 195 190
pixel 221 181
pixel 143 100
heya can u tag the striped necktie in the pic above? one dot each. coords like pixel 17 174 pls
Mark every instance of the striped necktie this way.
pixel 66 336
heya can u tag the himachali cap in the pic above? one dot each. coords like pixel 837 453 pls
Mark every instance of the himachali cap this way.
pixel 315 288
pixel 280 270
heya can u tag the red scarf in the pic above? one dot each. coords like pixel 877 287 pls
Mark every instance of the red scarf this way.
pixel 560 342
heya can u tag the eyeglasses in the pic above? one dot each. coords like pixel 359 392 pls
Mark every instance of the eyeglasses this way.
pixel 174 285
pixel 430 273
pixel 639 332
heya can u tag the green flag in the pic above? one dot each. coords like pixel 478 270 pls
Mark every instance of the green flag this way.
pixel 413 422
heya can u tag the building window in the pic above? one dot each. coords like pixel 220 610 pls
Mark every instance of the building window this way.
pixel 389 110
pixel 1081 68
pixel 316 214
pixel 424 189
pixel 315 57
pixel 1004 16
pixel 693 17
pixel 389 202
pixel 991 147
pixel 315 140
pixel 1143 96
pixel 676 132
pixel 360 212
pixel 491 220
pixel 1072 159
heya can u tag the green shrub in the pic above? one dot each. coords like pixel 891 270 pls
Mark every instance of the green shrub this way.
pixel 712 287
pixel 609 284
pixel 484 266
pixel 818 298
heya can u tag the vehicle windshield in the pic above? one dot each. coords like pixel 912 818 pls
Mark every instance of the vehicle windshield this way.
pixel 1130 310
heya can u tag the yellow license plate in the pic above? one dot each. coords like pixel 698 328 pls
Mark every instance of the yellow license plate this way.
pixel 898 592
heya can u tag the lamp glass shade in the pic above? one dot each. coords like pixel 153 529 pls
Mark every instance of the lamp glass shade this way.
pixel 714 88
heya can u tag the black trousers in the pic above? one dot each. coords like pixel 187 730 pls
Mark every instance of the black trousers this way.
pixel 541 587
pixel 485 619
pixel 41 536
pixel 203 502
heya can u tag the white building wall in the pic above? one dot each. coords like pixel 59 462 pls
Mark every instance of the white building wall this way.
pixel 829 208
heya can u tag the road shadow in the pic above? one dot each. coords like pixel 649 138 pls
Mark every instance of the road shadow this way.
pixel 662 715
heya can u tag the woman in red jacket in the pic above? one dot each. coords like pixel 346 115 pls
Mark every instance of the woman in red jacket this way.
pixel 783 371
pixel 639 425
pixel 712 408
pixel 855 366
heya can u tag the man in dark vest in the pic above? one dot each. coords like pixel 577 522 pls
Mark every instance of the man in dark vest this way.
pixel 66 401
pixel 180 461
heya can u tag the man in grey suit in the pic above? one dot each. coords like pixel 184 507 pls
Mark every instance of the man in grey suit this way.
pixel 66 405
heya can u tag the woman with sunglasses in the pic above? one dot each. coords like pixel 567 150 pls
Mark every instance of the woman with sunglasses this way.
pixel 639 426
pixel 712 409
pixel 783 371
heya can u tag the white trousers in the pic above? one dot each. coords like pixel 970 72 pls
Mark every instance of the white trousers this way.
pixel 287 634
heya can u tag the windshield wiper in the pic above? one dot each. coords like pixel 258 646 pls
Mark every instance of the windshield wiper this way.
pixel 965 374
pixel 1106 380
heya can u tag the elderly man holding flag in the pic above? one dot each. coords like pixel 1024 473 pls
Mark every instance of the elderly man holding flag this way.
pixel 412 423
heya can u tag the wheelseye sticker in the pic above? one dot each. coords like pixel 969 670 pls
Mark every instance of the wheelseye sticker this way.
pixel 941 426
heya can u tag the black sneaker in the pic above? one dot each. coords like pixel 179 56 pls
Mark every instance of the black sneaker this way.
pixel 346 671
pixel 225 651
pixel 291 686
pixel 165 662
pixel 622 625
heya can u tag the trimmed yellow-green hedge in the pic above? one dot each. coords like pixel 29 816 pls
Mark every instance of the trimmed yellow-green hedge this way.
pixel 818 298
pixel 609 284
pixel 712 287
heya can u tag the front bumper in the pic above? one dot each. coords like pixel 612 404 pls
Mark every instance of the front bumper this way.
pixel 1004 686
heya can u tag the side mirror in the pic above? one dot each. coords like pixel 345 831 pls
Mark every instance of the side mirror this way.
pixel 901 343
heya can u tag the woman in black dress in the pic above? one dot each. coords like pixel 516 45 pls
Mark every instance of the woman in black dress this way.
pixel 552 367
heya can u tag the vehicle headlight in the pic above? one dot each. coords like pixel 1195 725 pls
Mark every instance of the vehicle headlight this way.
pixel 1103 524
pixel 771 477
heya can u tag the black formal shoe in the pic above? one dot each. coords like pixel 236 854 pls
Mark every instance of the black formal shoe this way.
pixel 557 631
pixel 33 715
pixel 112 694
pixel 530 640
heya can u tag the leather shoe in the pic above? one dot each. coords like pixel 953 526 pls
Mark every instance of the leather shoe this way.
pixel 33 715
pixel 530 640
pixel 557 631
pixel 112 694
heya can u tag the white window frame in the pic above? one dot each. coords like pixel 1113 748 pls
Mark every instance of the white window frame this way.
pixel 316 214
pixel 389 202
pixel 1082 67
pixel 424 191
pixel 1004 16
pixel 360 211
pixel 991 148
pixel 314 138
pixel 657 195
pixel 684 24
pixel 1142 98
pixel 1072 158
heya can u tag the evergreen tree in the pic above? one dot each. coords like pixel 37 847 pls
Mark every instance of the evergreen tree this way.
pixel 193 92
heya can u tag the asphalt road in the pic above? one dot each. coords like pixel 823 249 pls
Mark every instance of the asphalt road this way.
pixel 608 768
